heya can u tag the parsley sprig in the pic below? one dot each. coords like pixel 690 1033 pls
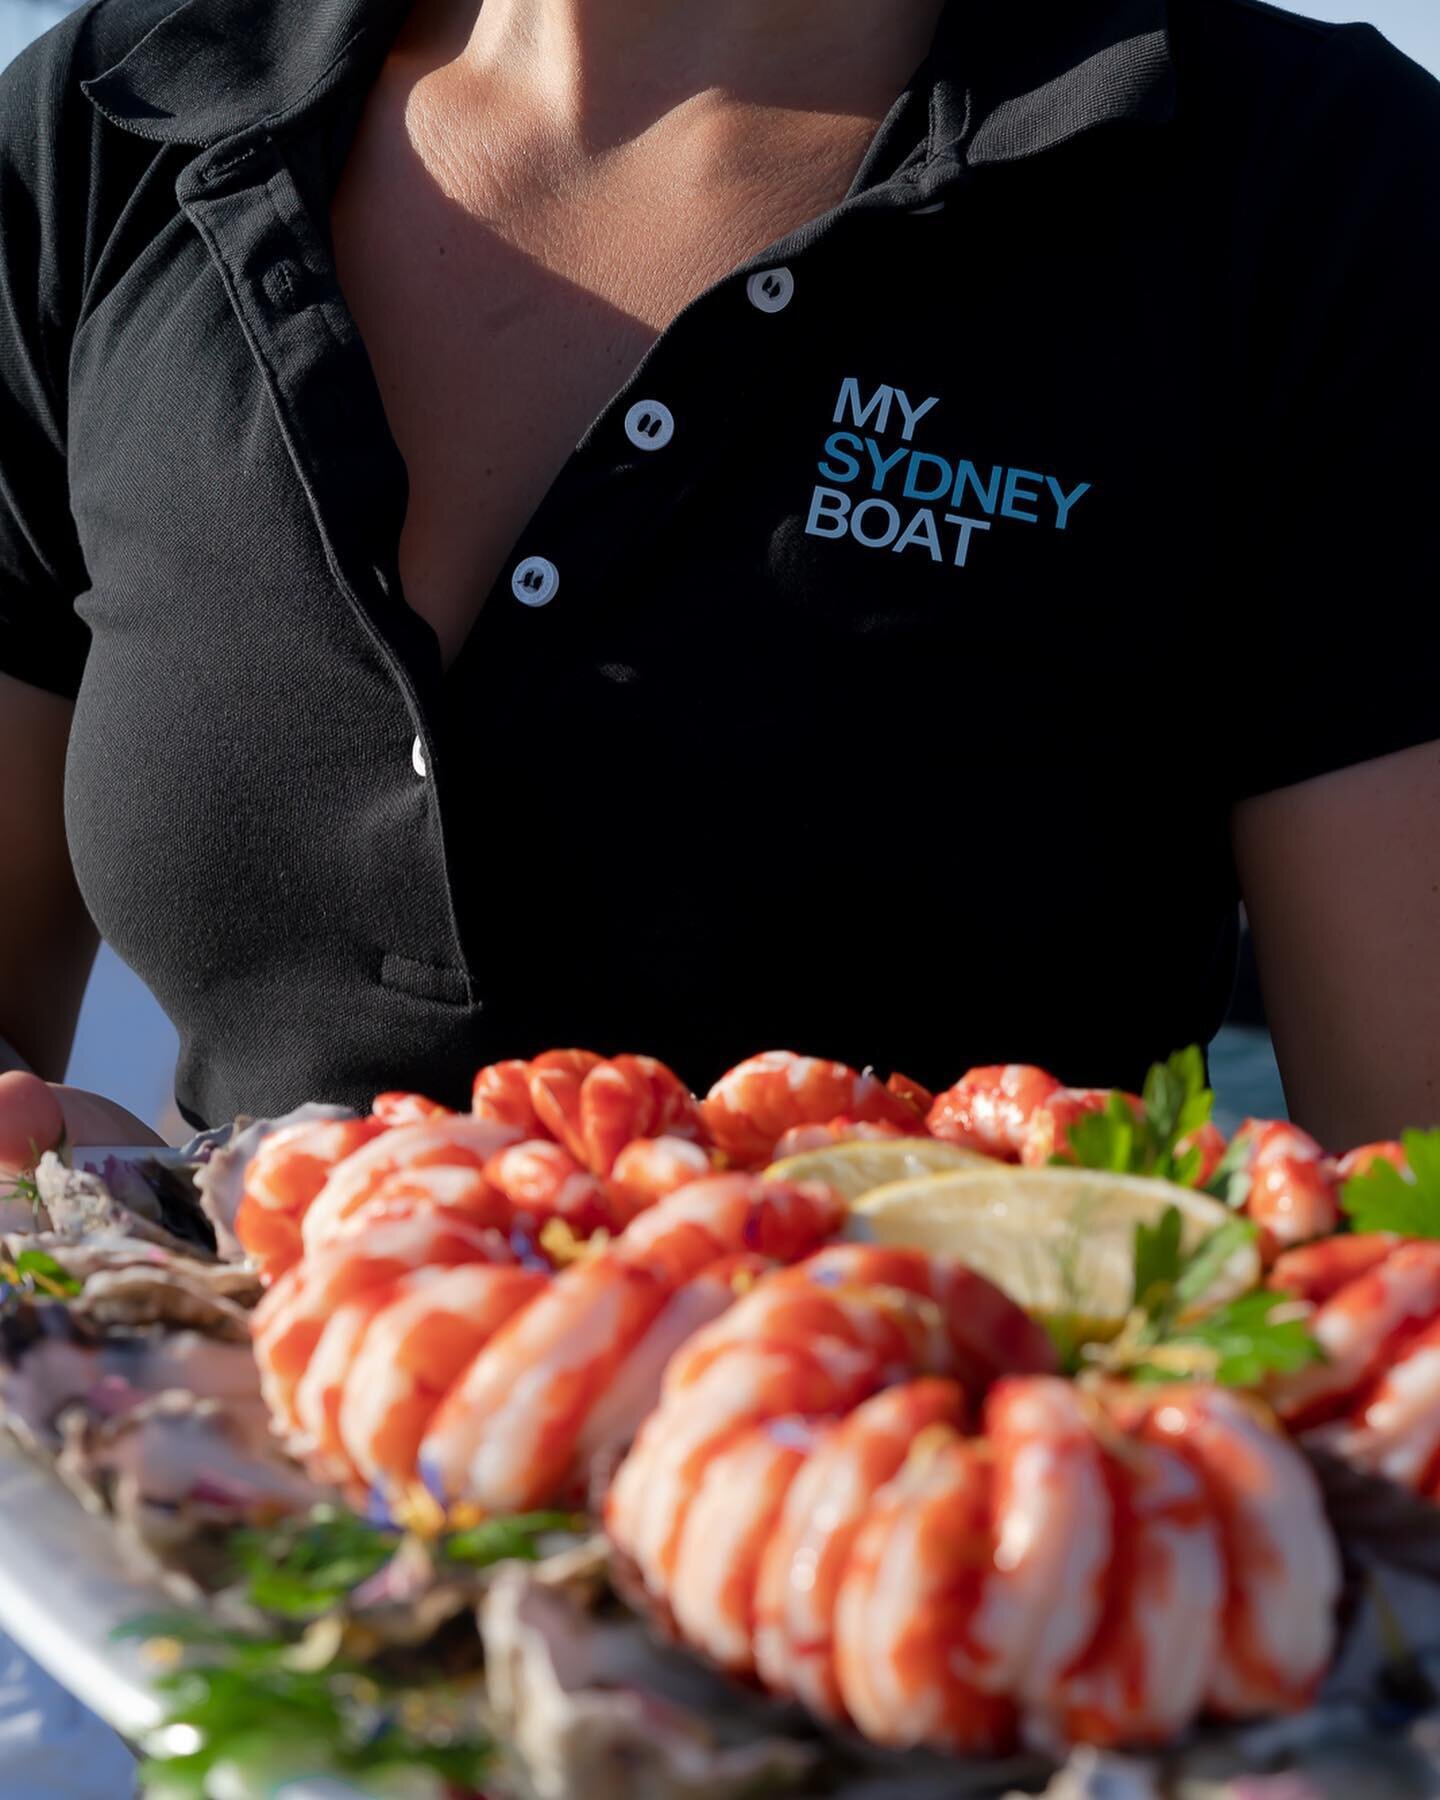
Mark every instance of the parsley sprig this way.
pixel 1168 1337
pixel 1385 1199
pixel 252 1704
pixel 290 1697
pixel 1176 1103
pixel 35 1272
pixel 304 1567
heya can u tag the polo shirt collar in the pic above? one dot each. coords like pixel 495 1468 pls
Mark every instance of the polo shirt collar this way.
pixel 1005 80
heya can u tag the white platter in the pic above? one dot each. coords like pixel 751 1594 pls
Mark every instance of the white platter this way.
pixel 62 1595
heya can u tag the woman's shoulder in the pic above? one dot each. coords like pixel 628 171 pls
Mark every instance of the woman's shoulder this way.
pixel 1256 66
pixel 66 174
pixel 46 74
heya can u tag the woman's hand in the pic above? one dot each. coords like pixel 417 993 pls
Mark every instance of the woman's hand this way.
pixel 34 1114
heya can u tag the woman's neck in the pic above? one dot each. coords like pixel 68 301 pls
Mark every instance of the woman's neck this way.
pixel 605 70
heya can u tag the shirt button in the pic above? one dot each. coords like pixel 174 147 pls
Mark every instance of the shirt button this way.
pixel 284 285
pixel 535 581
pixel 649 425
pixel 771 290
pixel 417 759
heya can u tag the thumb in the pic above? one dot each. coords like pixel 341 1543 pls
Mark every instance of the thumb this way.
pixel 34 1115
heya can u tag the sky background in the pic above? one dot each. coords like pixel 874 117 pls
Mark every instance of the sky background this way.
pixel 125 1047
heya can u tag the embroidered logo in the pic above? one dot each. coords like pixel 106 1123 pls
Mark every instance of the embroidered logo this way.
pixel 917 499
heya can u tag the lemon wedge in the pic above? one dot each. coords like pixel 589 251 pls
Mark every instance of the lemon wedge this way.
pixel 1060 1242
pixel 855 1167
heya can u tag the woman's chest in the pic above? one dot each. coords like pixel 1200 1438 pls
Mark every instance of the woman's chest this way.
pixel 499 322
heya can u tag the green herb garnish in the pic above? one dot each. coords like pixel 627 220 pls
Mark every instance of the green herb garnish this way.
pixel 1231 1180
pixel 35 1272
pixel 1247 1341
pixel 1176 1103
pixel 254 1704
pixel 1237 1344
pixel 299 1570
pixel 506 1539
pixel 1384 1199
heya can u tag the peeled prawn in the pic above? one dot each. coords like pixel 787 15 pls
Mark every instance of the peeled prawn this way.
pixel 287 1324
pixel 283 1177
pixel 813 1339
pixel 843 1130
pixel 1292 1195
pixel 825 1505
pixel 903 1654
pixel 452 1143
pixel 754 1104
pixel 507 1434
pixel 1054 1528
pixel 990 1109
pixel 591 1106
pixel 429 1327
pixel 1375 1312
pixel 1048 1132
pixel 1361 1329
pixel 1143 1677
pixel 1282 1567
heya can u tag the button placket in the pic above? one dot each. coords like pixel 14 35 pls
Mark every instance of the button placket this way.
pixel 249 214
pixel 648 425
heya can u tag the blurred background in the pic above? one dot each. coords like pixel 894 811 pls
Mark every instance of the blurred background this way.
pixel 125 1047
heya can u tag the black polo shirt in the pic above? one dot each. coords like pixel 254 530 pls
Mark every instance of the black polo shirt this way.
pixel 880 672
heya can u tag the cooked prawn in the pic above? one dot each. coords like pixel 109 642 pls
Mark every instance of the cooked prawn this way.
pixel 501 1094
pixel 1393 1429
pixel 595 1108
pixel 1048 1132
pixel 727 1525
pixel 1363 1159
pixel 754 1104
pixel 635 1390
pixel 1316 1271
pixel 1361 1330
pixel 312 1436
pixel 824 1507
pixel 1144 1674
pixel 1283 1571
pixel 990 1109
pixel 1209 1140
pixel 542 1180
pixel 459 1142
pixel 815 1338
pixel 750 1385
pixel 1292 1195
pixel 1054 1532
pixel 428 1328
pixel 507 1434
pixel 284 1176
pixel 286 1325
pixel 904 1658
pixel 842 1130
pixel 407 1109
pixel 648 1169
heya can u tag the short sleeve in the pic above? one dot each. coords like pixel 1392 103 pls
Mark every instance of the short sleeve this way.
pixel 41 201
pixel 1329 482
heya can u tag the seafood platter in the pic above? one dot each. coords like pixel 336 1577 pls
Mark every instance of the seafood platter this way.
pixel 819 1435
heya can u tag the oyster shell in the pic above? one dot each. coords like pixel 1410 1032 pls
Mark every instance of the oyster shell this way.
pixel 220 1180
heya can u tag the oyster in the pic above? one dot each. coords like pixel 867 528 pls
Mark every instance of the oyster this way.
pixel 178 1474
pixel 220 1180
